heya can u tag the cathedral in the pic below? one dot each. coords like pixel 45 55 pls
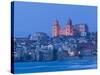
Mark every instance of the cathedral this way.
pixel 69 29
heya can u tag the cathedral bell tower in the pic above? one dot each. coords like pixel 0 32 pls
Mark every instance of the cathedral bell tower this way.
pixel 69 28
pixel 55 28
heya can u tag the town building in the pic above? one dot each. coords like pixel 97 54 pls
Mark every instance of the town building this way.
pixel 38 36
pixel 81 29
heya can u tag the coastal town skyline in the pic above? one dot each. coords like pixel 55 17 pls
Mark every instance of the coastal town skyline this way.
pixel 58 37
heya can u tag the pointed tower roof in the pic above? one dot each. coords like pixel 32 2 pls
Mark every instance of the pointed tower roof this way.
pixel 56 22
pixel 69 21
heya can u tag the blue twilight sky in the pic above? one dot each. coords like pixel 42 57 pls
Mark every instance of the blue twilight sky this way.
pixel 32 17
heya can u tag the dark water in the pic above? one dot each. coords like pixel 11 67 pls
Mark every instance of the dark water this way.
pixel 73 63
